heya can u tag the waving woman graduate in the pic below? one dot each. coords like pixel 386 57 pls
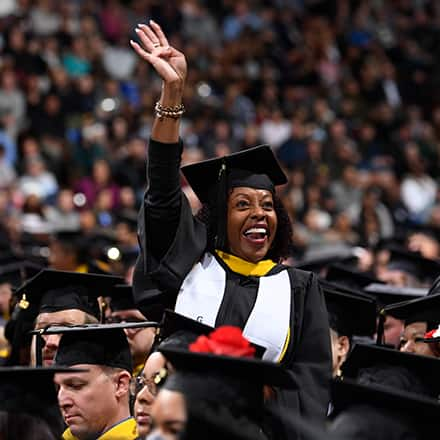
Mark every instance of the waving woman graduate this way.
pixel 222 266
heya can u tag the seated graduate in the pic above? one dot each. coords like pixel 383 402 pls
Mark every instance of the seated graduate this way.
pixel 28 404
pixel 218 382
pixel 95 403
pixel 223 266
pixel 59 298
pixel 349 314
pixel 175 331
pixel 420 316
pixel 385 394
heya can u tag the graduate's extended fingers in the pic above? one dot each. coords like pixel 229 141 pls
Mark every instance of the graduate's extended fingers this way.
pixel 150 35
pixel 145 38
pixel 158 30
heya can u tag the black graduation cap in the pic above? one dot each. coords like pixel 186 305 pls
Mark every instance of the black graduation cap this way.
pixel 425 309
pixel 413 263
pixel 255 167
pixel 424 368
pixel 350 314
pixel 174 323
pixel 55 290
pixel 94 344
pixel 250 370
pixel 31 391
pixel 347 392
pixel 387 294
pixel 18 272
pixel 210 179
pixel 349 277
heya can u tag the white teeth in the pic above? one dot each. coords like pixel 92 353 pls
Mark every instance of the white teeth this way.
pixel 256 231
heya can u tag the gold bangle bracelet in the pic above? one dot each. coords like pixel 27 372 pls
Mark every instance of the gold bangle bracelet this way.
pixel 169 112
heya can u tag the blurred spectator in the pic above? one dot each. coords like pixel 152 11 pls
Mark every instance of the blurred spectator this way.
pixel 348 93
pixel 100 180
pixel 418 190
pixel 12 104
pixel 7 172
pixel 63 215
pixel 37 180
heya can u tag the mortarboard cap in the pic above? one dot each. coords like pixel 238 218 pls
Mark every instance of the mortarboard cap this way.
pixel 347 392
pixel 425 309
pixel 387 294
pixel 255 167
pixel 424 368
pixel 350 314
pixel 173 323
pixel 250 370
pixel 413 263
pixel 94 344
pixel 31 391
pixel 348 277
pixel 18 272
pixel 54 290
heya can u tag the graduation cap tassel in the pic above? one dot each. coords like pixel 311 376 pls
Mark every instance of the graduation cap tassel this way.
pixel 221 208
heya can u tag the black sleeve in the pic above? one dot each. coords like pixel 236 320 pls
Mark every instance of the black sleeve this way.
pixel 162 198
pixel 170 238
pixel 310 359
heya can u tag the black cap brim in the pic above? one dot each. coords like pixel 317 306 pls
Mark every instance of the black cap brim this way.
pixel 347 392
pixel 248 369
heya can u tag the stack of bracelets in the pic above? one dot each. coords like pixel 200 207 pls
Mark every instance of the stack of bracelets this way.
pixel 169 112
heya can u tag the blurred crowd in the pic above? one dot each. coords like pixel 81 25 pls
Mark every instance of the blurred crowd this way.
pixel 345 92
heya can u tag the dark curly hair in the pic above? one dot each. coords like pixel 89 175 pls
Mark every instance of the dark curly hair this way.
pixel 282 243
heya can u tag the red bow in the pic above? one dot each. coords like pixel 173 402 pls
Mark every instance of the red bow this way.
pixel 226 340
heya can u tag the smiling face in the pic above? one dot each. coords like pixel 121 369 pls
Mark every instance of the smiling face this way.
pixel 252 223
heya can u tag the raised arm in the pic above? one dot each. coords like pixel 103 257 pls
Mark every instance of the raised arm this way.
pixel 170 65
pixel 162 205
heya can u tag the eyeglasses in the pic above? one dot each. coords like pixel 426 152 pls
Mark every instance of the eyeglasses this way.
pixel 152 384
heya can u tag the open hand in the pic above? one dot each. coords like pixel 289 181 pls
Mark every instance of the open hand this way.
pixel 168 62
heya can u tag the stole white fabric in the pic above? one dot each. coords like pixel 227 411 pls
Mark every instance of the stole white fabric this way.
pixel 201 296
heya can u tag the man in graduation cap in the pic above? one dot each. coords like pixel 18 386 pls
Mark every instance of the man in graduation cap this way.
pixel 95 403
pixel 61 298
pixel 224 266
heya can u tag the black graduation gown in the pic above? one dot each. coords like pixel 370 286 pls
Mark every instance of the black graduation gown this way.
pixel 172 241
